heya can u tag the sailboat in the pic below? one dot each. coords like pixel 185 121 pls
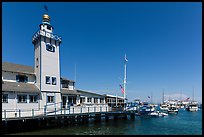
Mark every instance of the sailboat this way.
pixel 193 105
pixel 163 106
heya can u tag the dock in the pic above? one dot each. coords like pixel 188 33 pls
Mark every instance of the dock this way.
pixel 60 118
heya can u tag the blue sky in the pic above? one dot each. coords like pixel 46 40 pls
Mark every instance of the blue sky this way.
pixel 162 41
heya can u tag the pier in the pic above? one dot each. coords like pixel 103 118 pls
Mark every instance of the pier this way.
pixel 60 117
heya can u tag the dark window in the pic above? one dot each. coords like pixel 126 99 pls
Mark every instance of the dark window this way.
pixel 37 63
pixel 50 99
pixel 4 98
pixel 22 98
pixel 33 98
pixel 47 80
pixel 95 100
pixel 21 78
pixel 54 81
pixel 82 100
pixel 89 100
pixel 49 27
pixel 50 47
pixel 101 100
pixel 64 84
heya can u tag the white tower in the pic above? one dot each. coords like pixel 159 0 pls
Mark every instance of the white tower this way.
pixel 47 62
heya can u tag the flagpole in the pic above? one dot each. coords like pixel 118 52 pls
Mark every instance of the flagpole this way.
pixel 124 82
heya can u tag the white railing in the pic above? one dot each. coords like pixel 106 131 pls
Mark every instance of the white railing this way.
pixel 55 110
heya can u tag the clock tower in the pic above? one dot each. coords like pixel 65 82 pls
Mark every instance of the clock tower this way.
pixel 47 61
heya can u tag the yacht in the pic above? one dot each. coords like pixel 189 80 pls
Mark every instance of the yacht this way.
pixel 146 108
pixel 172 109
pixel 164 107
pixel 158 114
pixel 193 106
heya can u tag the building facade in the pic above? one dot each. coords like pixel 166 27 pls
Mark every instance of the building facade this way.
pixel 41 87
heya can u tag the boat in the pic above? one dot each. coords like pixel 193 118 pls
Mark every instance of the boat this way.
pixel 172 109
pixel 193 106
pixel 146 109
pixel 164 107
pixel 158 114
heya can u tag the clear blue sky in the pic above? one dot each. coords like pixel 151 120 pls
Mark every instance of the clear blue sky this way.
pixel 162 41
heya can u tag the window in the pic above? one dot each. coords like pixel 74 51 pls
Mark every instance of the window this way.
pixel 54 81
pixel 49 27
pixel 21 78
pixel 47 80
pixel 33 98
pixel 82 99
pixel 50 47
pixel 37 63
pixel 95 100
pixel 64 85
pixel 22 98
pixel 89 100
pixel 4 98
pixel 101 100
pixel 50 99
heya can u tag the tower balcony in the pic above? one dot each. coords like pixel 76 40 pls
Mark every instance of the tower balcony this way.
pixel 46 34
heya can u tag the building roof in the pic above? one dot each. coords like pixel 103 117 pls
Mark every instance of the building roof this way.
pixel 65 79
pixel 6 66
pixel 70 92
pixel 113 96
pixel 82 91
pixel 12 67
pixel 19 87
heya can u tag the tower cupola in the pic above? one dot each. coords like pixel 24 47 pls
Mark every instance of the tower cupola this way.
pixel 46 19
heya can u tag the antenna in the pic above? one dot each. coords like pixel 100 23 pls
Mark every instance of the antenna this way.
pixel 75 72
pixel 46 9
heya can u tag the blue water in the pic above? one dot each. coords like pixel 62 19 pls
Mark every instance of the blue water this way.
pixel 184 123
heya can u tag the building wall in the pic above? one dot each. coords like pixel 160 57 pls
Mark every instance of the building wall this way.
pixel 92 96
pixel 71 86
pixel 14 105
pixel 11 77
pixel 55 104
pixel 50 66
pixel 37 63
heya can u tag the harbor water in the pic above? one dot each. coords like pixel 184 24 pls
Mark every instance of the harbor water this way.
pixel 183 123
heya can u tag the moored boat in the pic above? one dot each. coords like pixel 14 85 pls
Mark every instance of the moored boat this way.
pixel 164 107
pixel 193 106
pixel 172 109
pixel 145 109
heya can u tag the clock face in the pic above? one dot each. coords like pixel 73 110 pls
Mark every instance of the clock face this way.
pixel 50 47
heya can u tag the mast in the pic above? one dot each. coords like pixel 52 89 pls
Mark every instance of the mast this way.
pixel 193 94
pixel 116 101
pixel 124 82
pixel 163 97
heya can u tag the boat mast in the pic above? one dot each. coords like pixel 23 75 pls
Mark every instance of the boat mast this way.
pixel 181 95
pixel 163 97
pixel 193 94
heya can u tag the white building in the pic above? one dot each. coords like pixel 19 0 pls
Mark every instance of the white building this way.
pixel 29 88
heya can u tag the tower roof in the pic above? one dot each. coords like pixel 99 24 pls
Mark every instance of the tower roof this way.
pixel 46 18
